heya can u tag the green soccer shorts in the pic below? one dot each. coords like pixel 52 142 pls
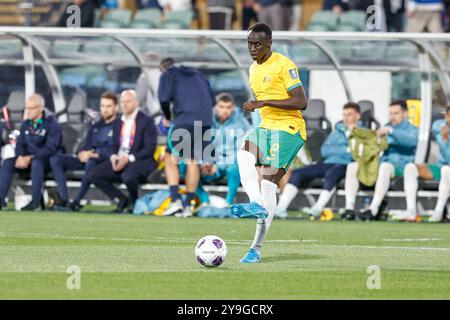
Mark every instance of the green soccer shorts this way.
pixel 279 148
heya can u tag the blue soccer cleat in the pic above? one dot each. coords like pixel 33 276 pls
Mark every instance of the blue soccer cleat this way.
pixel 252 256
pixel 251 209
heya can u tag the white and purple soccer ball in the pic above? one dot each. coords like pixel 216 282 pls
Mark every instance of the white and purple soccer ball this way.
pixel 211 251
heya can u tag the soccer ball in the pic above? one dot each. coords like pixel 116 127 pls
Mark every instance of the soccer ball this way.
pixel 211 251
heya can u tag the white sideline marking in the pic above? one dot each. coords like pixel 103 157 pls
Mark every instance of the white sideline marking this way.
pixel 382 247
pixel 412 240
pixel 189 240
pixel 158 239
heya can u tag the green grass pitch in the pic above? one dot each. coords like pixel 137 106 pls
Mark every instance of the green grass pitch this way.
pixel 142 257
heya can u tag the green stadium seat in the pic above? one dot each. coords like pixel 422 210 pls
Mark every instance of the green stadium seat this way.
pixel 116 18
pixel 111 24
pixel 347 28
pixel 65 47
pixel 325 20
pixel 317 27
pixel 354 19
pixel 146 19
pixel 97 47
pixel 177 20
pixel 10 48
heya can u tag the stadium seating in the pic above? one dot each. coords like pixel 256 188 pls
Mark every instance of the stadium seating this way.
pixel 16 105
pixel 353 20
pixel 10 48
pixel 177 20
pixel 65 47
pixel 146 19
pixel 116 18
pixel 368 114
pixel 318 127
pixel 76 115
pixel 325 20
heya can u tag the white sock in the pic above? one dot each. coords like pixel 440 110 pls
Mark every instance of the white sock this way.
pixel 249 175
pixel 385 172
pixel 410 185
pixel 444 189
pixel 289 193
pixel 351 185
pixel 324 197
pixel 269 195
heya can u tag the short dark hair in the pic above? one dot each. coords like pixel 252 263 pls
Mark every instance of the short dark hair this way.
pixel 447 110
pixel 111 96
pixel 261 27
pixel 352 105
pixel 401 103
pixel 166 63
pixel 224 97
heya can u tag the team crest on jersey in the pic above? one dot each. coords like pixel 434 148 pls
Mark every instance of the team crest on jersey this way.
pixel 266 79
pixel 293 73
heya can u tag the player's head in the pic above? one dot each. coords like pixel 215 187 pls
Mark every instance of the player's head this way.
pixel 224 106
pixel 34 106
pixel 166 63
pixel 108 105
pixel 129 102
pixel 351 114
pixel 398 111
pixel 259 40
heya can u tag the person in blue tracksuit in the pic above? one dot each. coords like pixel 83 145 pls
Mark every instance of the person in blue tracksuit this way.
pixel 97 148
pixel 134 144
pixel 40 138
pixel 229 128
pixel 336 155
pixel 189 134
pixel 402 138
pixel 439 171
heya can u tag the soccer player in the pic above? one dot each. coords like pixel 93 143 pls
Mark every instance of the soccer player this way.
pixel 271 147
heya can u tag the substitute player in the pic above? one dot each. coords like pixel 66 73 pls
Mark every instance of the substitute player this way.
pixel 271 147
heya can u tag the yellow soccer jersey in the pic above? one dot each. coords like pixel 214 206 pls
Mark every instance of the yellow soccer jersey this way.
pixel 273 80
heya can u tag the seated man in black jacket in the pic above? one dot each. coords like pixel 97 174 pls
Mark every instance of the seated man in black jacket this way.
pixel 134 143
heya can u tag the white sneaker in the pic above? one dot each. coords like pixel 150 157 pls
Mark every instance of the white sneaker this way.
pixel 281 213
pixel 406 215
pixel 436 217
pixel 173 208
pixel 186 213
pixel 312 212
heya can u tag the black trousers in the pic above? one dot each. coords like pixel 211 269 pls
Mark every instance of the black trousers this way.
pixel 103 176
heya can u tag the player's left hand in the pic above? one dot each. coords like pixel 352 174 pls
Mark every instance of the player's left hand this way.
pixel 252 105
